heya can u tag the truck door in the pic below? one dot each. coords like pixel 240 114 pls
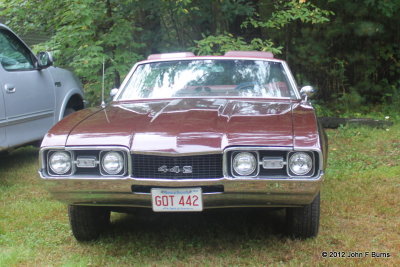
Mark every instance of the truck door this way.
pixel 3 123
pixel 29 97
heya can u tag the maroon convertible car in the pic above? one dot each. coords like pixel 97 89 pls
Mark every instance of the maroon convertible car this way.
pixel 186 133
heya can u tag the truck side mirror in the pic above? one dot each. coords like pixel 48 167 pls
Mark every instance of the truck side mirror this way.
pixel 45 60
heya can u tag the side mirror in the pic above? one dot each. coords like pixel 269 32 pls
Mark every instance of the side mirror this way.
pixel 113 92
pixel 307 92
pixel 45 60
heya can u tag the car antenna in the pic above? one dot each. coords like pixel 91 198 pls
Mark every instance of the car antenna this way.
pixel 103 104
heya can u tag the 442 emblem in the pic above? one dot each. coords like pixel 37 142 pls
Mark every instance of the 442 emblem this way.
pixel 175 169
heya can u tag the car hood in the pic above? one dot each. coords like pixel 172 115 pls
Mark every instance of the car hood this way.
pixel 187 125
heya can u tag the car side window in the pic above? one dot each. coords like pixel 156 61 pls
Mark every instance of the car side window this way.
pixel 14 55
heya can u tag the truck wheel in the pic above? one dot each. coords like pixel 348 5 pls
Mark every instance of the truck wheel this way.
pixel 88 222
pixel 303 222
pixel 68 111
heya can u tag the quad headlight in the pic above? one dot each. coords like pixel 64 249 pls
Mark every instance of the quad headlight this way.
pixel 300 163
pixel 112 162
pixel 60 162
pixel 268 163
pixel 244 163
pixel 85 163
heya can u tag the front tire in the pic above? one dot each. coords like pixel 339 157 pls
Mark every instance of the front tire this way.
pixel 303 222
pixel 88 222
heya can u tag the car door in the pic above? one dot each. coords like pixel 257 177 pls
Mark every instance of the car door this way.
pixel 28 92
pixel 3 123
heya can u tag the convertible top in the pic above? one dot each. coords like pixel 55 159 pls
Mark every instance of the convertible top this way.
pixel 256 54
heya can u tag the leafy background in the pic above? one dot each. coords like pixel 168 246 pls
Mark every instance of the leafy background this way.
pixel 348 50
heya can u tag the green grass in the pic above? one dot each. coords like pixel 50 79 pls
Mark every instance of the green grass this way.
pixel 360 212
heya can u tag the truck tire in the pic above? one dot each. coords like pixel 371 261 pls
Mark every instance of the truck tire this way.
pixel 68 111
pixel 303 222
pixel 88 222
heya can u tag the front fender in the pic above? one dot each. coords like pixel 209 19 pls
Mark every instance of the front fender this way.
pixel 65 100
pixel 66 85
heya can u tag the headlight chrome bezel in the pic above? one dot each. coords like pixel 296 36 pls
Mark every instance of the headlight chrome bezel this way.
pixel 269 152
pixel 254 172
pixel 95 153
pixel 120 172
pixel 50 169
pixel 309 154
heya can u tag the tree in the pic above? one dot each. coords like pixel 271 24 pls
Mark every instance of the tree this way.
pixel 83 34
pixel 348 49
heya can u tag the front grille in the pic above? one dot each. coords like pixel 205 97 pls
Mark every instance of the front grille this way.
pixel 202 166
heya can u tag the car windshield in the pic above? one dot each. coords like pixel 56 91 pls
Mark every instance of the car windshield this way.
pixel 208 78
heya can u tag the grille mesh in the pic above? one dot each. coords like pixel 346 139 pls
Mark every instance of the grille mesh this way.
pixel 203 166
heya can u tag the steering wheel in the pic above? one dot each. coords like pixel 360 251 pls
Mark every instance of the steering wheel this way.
pixel 245 86
pixel 204 88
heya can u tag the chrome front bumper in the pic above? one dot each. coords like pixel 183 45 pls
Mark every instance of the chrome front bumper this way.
pixel 249 192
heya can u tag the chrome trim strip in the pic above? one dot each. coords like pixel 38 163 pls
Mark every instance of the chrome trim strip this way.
pixel 27 118
pixel 237 192
pixel 291 80
pixel 178 182
pixel 175 154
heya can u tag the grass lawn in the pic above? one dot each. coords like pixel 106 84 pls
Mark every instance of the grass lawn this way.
pixel 360 213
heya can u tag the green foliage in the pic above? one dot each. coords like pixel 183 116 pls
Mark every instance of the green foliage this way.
pixel 83 34
pixel 349 50
pixel 353 59
pixel 322 110
pixel 287 12
pixel 217 45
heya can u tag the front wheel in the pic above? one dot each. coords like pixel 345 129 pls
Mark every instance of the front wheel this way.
pixel 88 222
pixel 303 222
pixel 68 111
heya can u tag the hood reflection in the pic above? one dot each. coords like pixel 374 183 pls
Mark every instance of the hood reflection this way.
pixel 188 125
